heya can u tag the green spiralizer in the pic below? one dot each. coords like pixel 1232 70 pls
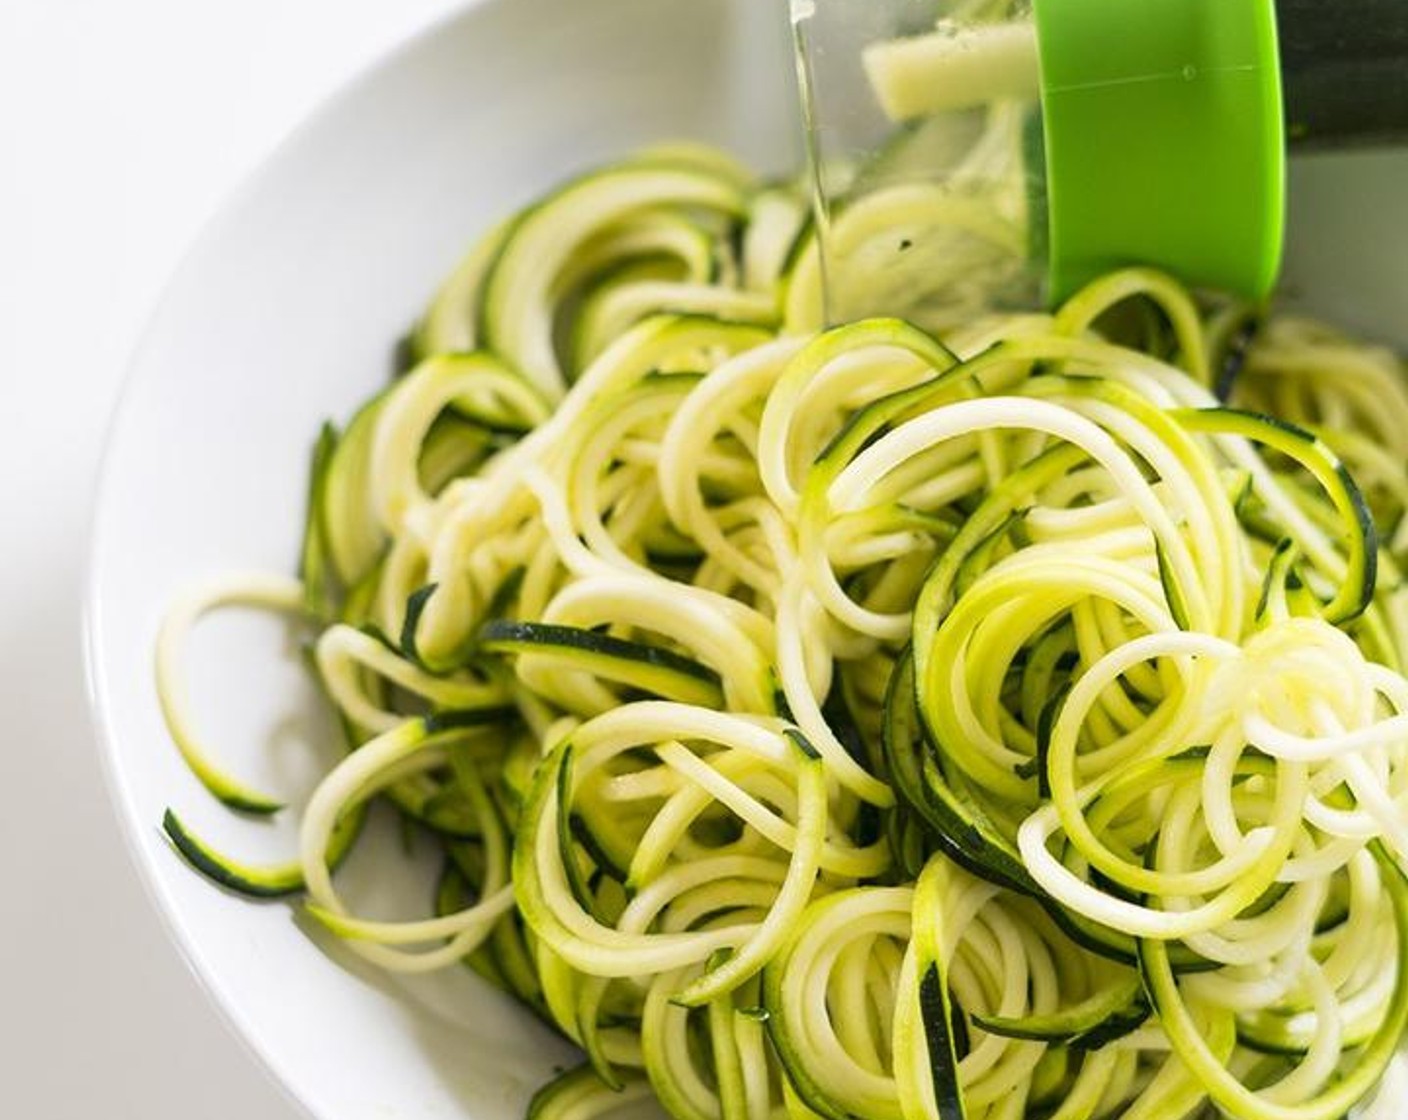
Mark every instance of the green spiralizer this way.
pixel 1022 148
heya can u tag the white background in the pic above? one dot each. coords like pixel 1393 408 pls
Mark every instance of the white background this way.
pixel 123 123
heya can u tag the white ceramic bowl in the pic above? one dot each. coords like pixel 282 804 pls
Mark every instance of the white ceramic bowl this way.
pixel 287 312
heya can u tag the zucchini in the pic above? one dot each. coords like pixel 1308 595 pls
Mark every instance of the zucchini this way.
pixel 319 590
pixel 579 1094
pixel 450 324
pixel 1359 565
pixel 1108 1014
pixel 353 536
pixel 651 669
pixel 518 321
pixel 971 714
pixel 936 1090
pixel 269 593
pixel 254 880
pixel 1335 1100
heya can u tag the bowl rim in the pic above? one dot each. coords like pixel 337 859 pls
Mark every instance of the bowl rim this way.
pixel 96 689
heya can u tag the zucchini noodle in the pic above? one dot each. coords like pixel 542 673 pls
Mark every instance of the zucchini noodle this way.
pixel 998 718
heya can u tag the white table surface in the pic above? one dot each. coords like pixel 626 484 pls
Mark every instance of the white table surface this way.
pixel 123 123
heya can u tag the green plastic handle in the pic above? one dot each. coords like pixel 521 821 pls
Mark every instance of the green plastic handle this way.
pixel 1164 140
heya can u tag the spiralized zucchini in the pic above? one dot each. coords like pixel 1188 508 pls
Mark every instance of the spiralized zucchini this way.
pixel 862 722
